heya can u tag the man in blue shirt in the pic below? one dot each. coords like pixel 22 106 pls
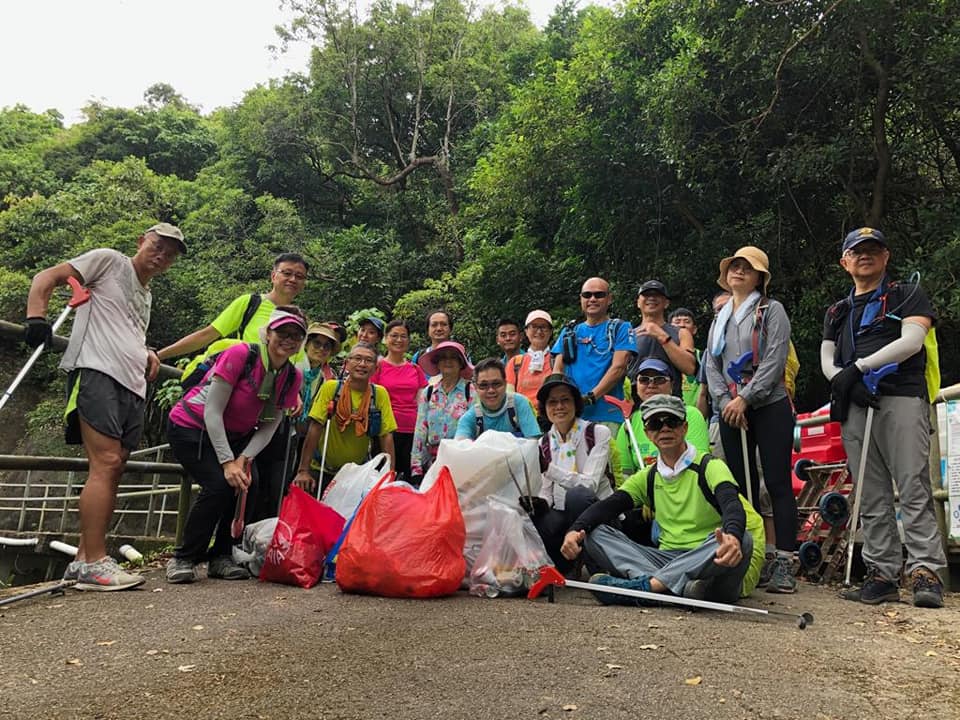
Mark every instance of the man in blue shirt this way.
pixel 496 408
pixel 595 353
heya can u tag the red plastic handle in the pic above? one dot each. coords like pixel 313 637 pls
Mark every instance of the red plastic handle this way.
pixel 80 293
pixel 626 405
pixel 549 575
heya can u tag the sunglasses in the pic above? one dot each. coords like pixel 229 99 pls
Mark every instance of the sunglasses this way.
pixel 598 294
pixel 496 385
pixel 657 423
pixel 652 379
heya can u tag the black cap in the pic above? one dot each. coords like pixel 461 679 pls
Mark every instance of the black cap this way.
pixel 654 286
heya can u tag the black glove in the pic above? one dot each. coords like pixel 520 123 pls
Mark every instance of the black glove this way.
pixel 863 397
pixel 844 381
pixel 534 505
pixel 36 331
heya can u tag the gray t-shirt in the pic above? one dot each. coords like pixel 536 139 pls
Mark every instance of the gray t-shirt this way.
pixel 110 331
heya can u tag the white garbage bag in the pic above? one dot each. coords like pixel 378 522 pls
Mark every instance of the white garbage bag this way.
pixel 352 482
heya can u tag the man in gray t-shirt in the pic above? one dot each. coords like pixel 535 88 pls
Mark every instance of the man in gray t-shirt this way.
pixel 108 366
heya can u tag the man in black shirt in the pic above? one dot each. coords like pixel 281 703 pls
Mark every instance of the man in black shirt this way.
pixel 656 338
pixel 883 322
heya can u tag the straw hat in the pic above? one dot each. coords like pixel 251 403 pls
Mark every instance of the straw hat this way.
pixel 758 261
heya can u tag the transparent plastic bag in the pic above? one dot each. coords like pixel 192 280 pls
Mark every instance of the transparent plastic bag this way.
pixel 511 553
pixel 253 547
pixel 352 482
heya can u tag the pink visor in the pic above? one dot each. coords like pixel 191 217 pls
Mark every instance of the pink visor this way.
pixel 280 318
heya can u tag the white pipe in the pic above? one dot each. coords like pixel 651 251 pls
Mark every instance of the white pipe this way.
pixel 63 547
pixel 18 542
pixel 131 553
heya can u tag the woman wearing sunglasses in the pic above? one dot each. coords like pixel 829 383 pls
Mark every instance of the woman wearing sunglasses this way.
pixel 654 377
pixel 219 427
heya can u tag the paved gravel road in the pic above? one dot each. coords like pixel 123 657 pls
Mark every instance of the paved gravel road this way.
pixel 251 650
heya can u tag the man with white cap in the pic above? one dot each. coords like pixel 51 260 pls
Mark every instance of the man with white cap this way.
pixel 108 365
pixel 525 373
pixel 882 322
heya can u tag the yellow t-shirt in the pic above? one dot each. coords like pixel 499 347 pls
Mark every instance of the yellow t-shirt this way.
pixel 347 446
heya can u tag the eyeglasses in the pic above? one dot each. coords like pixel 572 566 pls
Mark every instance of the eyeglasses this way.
pixel 540 328
pixel 865 249
pixel 321 344
pixel 289 337
pixel 655 424
pixel 598 294
pixel 287 274
pixel 652 379
pixel 362 359
pixel 495 385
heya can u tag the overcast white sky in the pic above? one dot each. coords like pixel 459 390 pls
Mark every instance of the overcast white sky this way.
pixel 62 53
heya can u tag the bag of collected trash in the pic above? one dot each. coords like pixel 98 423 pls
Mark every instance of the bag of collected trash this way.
pixel 252 550
pixel 495 464
pixel 511 554
pixel 404 542
pixel 352 482
pixel 306 530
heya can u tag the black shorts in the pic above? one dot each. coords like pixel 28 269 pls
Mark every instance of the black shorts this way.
pixel 103 404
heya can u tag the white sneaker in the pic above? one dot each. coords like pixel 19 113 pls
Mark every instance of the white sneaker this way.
pixel 105 575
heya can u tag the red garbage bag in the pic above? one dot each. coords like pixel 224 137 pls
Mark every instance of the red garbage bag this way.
pixel 306 530
pixel 404 543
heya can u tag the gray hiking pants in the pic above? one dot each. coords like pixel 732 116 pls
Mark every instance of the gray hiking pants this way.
pixel 611 551
pixel 899 449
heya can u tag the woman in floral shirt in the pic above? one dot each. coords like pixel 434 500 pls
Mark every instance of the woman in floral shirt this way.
pixel 441 403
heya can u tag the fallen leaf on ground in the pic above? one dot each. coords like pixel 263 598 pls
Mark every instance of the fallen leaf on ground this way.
pixel 187 668
pixel 614 666
pixel 148 607
pixel 152 652
pixel 74 661
pixel 650 646
pixel 106 643
pixel 693 681
pixel 602 648
pixel 930 653
pixel 891 613
pixel 157 590
pixel 197 627
pixel 568 708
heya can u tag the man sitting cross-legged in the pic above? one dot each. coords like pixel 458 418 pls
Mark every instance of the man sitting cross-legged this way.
pixel 708 533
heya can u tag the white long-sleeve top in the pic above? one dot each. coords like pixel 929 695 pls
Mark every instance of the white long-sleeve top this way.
pixel 580 467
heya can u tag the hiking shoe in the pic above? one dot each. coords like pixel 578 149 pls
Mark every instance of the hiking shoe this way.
pixel 105 575
pixel 181 570
pixel 224 568
pixel 781 577
pixel 72 573
pixel 927 589
pixel 696 589
pixel 766 570
pixel 640 583
pixel 875 590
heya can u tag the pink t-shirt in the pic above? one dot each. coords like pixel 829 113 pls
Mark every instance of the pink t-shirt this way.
pixel 402 383
pixel 243 408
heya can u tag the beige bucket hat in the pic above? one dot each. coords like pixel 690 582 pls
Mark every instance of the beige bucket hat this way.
pixel 758 261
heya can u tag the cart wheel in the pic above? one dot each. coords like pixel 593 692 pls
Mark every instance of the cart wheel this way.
pixel 834 509
pixel 811 556
pixel 800 468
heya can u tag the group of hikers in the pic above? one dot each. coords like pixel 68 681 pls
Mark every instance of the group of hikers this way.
pixel 667 498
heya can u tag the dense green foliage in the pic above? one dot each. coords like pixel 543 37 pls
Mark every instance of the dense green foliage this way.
pixel 430 156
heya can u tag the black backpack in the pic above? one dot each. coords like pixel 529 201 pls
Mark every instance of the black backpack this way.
pixel 200 371
pixel 701 470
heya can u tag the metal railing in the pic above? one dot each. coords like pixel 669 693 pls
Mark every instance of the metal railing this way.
pixel 41 504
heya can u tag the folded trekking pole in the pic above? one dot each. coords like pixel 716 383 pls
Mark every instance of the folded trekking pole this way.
pixel 736 371
pixel 871 379
pixel 80 296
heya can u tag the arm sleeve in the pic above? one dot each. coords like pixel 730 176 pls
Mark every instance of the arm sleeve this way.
pixel 264 434
pixel 906 346
pixel 217 398
pixel 776 343
pixel 603 511
pixel 734 517
pixel 593 470
pixel 828 349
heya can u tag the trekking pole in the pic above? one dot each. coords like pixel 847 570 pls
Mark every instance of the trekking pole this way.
pixel 736 370
pixel 79 297
pixel 57 589
pixel 291 431
pixel 626 409
pixel 550 576
pixel 871 379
